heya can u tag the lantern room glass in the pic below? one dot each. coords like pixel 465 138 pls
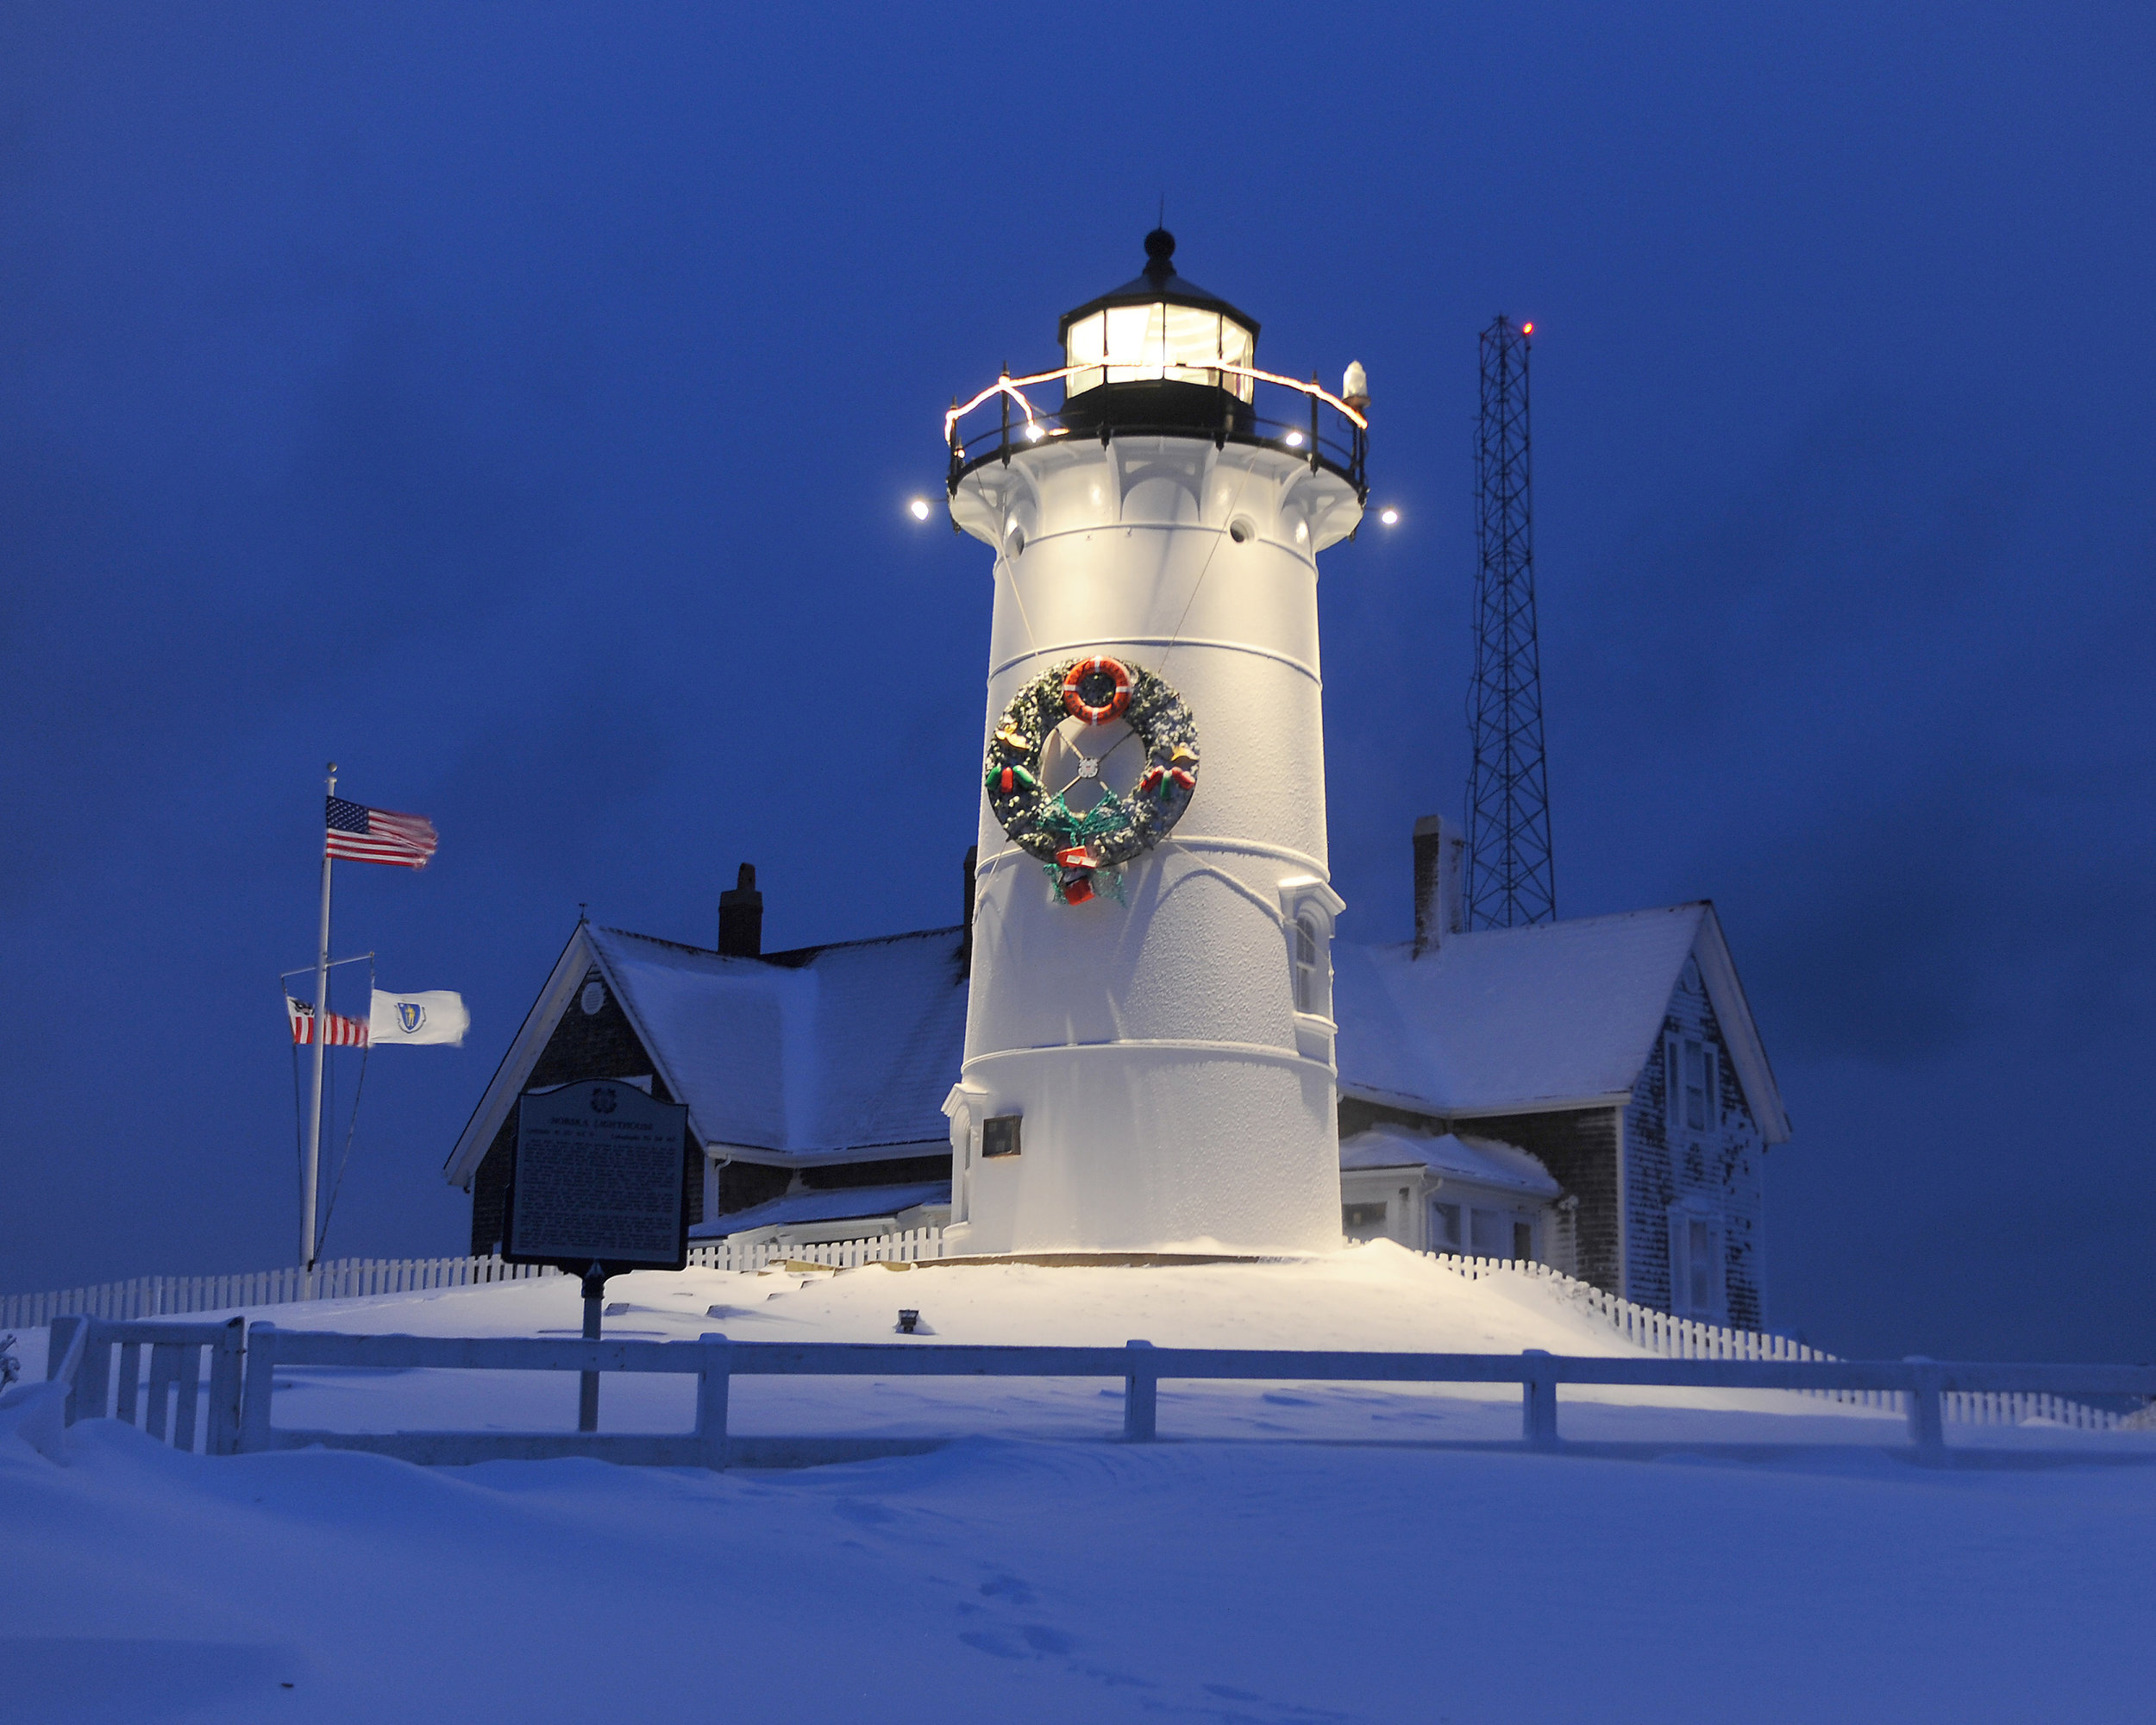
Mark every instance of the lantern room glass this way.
pixel 1140 343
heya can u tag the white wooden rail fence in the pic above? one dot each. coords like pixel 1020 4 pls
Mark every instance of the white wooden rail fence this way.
pixel 1656 1332
pixel 714 1361
pixel 159 1381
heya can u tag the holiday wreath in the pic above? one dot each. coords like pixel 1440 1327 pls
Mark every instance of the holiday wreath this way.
pixel 1084 850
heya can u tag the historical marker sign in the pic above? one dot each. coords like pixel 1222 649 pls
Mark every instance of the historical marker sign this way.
pixel 598 1180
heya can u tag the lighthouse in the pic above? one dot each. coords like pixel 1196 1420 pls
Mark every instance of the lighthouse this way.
pixel 1149 1057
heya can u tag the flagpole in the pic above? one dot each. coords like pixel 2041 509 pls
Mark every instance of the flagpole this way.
pixel 322 1048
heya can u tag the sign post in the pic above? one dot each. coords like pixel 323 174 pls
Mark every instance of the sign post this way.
pixel 595 1189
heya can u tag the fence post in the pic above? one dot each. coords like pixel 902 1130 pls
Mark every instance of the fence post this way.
pixel 1926 1431
pixel 56 1348
pixel 226 1356
pixel 1537 1401
pixel 261 1380
pixel 1140 1399
pixel 712 1384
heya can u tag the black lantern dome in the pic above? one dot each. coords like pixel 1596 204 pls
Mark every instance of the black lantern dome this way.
pixel 1151 353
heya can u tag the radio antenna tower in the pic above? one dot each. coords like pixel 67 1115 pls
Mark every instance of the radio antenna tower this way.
pixel 1509 881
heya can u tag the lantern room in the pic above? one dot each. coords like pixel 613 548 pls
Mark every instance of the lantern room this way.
pixel 1161 357
pixel 1154 351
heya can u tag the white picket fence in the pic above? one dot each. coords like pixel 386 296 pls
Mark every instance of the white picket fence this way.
pixel 342 1278
pixel 1675 1338
pixel 1655 1332
pixel 909 1247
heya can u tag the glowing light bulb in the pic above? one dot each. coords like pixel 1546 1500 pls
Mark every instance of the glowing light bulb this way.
pixel 1033 432
pixel 1527 328
pixel 1295 440
pixel 1389 516
pixel 918 509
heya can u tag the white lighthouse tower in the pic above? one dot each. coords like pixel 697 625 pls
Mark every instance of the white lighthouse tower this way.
pixel 1149 1060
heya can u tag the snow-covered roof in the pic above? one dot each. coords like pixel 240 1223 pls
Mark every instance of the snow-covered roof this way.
pixel 1483 1161
pixel 841 1204
pixel 846 1052
pixel 826 1054
pixel 834 1052
pixel 1504 1020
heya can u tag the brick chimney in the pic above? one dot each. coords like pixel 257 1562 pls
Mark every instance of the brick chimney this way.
pixel 1439 851
pixel 741 917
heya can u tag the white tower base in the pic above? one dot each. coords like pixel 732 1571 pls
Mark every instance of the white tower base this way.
pixel 1169 1059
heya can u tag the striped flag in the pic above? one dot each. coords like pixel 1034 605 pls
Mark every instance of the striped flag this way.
pixel 344 1032
pixel 373 835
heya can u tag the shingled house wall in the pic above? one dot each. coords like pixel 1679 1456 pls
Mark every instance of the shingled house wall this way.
pixel 1720 1168
pixel 1579 1148
pixel 601 1045
pixel 1578 1145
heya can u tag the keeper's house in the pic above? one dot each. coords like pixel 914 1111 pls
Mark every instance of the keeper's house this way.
pixel 1590 1093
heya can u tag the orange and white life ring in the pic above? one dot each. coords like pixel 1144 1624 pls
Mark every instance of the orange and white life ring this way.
pixel 1089 676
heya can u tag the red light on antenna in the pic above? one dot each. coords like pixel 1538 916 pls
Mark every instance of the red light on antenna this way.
pixel 1527 328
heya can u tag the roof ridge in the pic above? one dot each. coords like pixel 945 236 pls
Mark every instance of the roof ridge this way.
pixel 790 958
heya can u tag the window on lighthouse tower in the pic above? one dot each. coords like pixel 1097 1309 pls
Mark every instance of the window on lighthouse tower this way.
pixel 1307 908
pixel 1309 962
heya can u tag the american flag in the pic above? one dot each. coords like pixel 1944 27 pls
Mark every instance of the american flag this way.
pixel 373 835
pixel 344 1032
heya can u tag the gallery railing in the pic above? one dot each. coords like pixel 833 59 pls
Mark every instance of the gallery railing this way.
pixel 1300 419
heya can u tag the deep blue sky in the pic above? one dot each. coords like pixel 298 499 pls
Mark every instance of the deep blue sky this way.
pixel 517 405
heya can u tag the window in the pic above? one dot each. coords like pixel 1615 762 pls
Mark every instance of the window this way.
pixel 1696 1264
pixel 1161 341
pixel 1694 1097
pixel 1000 1135
pixel 1444 1227
pixel 1523 1241
pixel 1487 1236
pixel 1309 955
pixel 1362 1221
pixel 1307 908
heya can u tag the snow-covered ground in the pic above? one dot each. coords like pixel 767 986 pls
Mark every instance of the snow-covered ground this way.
pixel 1289 1554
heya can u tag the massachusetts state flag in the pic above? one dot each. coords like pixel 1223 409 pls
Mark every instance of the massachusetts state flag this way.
pixel 435 1015
pixel 373 835
pixel 344 1032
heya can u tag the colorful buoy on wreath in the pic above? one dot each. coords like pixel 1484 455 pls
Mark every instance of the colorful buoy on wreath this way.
pixel 1083 851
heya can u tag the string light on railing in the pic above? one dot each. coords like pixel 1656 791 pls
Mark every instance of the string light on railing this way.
pixel 918 509
pixel 1014 387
